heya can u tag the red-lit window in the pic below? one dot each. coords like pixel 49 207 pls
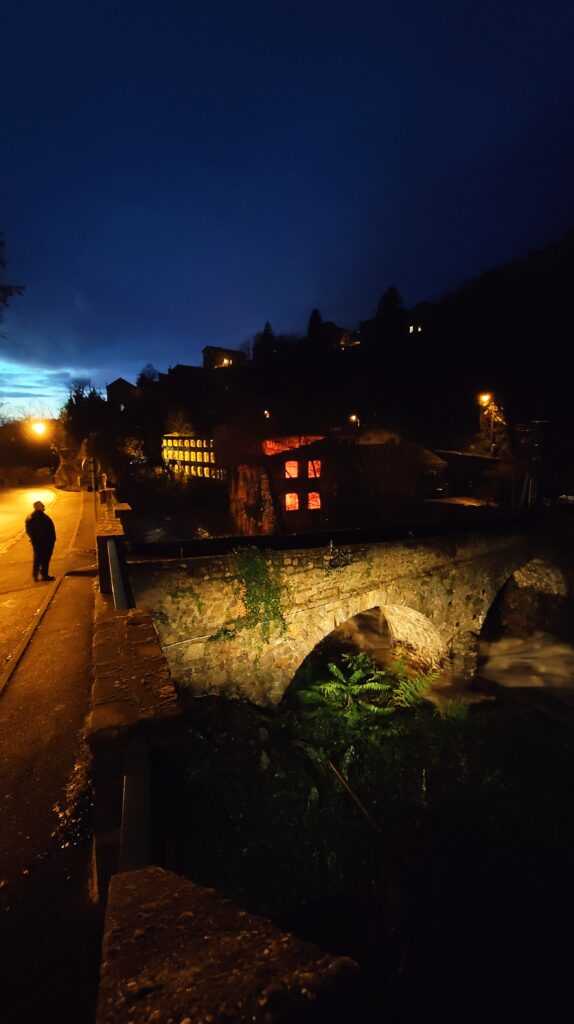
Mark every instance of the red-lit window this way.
pixel 313 499
pixel 291 502
pixel 292 469
pixel 314 469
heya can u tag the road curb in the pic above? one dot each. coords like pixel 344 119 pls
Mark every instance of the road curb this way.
pixel 21 648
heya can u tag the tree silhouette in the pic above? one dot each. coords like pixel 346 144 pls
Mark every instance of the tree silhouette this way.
pixel 390 303
pixel 7 291
pixel 390 318
pixel 147 375
pixel 86 412
pixel 265 345
pixel 314 325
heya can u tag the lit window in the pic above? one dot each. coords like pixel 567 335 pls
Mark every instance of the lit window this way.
pixel 313 499
pixel 411 328
pixel 314 469
pixel 192 442
pixel 186 443
pixel 212 456
pixel 291 502
pixel 200 470
pixel 292 469
pixel 207 471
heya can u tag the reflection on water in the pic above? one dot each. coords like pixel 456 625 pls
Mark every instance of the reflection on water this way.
pixel 539 660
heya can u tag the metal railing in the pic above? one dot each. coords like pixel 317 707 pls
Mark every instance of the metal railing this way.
pixel 121 590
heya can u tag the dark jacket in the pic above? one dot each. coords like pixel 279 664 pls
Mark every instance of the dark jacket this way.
pixel 40 530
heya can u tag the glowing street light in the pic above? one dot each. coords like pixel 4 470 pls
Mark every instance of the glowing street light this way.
pixel 354 419
pixel 487 403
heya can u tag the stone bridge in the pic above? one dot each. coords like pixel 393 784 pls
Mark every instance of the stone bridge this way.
pixel 243 623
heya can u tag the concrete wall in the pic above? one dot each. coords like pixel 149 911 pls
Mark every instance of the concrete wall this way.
pixel 435 594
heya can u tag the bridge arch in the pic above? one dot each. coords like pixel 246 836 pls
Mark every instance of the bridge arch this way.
pixel 434 595
pixel 537 595
pixel 405 629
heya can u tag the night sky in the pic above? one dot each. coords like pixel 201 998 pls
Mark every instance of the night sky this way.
pixel 173 174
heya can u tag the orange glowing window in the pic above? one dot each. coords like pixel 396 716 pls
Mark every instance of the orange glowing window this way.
pixel 292 469
pixel 314 469
pixel 313 499
pixel 291 502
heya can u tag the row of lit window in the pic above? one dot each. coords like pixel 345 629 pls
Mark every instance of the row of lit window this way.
pixel 204 471
pixel 292 501
pixel 313 469
pixel 186 442
pixel 185 456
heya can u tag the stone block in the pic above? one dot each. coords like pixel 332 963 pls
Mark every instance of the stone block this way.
pixel 174 951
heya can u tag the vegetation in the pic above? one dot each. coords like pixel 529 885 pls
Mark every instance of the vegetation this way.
pixel 401 837
pixel 7 291
pixel 358 690
pixel 86 412
pixel 261 595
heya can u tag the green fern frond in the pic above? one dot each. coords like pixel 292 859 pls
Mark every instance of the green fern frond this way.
pixel 376 709
pixel 373 687
pixel 336 672
pixel 311 697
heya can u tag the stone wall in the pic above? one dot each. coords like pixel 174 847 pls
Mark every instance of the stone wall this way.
pixel 435 594
pixel 177 953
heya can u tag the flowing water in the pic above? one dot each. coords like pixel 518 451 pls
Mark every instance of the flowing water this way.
pixel 539 661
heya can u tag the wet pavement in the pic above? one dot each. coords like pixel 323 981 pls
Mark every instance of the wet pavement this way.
pixel 50 926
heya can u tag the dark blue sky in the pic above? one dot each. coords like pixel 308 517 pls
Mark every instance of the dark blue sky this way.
pixel 175 173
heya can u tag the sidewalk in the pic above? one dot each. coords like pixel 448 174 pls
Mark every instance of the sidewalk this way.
pixel 49 928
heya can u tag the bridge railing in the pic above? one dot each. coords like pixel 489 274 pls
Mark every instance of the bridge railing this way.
pixel 110 545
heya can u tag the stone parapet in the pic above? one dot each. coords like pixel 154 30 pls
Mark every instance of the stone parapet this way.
pixel 434 592
pixel 177 952
pixel 133 699
pixel 132 681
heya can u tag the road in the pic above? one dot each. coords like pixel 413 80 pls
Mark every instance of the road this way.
pixel 20 597
pixel 50 929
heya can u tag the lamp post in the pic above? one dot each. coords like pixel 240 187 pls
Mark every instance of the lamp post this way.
pixel 47 432
pixel 487 403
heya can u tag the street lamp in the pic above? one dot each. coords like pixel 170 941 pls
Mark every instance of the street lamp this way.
pixel 46 432
pixel 354 419
pixel 486 401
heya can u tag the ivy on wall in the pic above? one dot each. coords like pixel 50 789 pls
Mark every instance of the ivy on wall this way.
pixel 261 594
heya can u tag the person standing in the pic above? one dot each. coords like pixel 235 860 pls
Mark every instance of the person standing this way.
pixel 42 534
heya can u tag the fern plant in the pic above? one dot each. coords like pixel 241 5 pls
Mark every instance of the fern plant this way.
pixel 358 689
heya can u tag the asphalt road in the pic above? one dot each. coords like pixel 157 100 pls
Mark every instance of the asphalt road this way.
pixel 50 928
pixel 20 597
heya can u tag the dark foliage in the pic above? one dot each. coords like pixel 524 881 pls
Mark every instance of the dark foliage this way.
pixel 7 291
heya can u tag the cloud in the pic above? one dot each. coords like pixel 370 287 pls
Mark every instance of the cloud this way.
pixel 39 389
